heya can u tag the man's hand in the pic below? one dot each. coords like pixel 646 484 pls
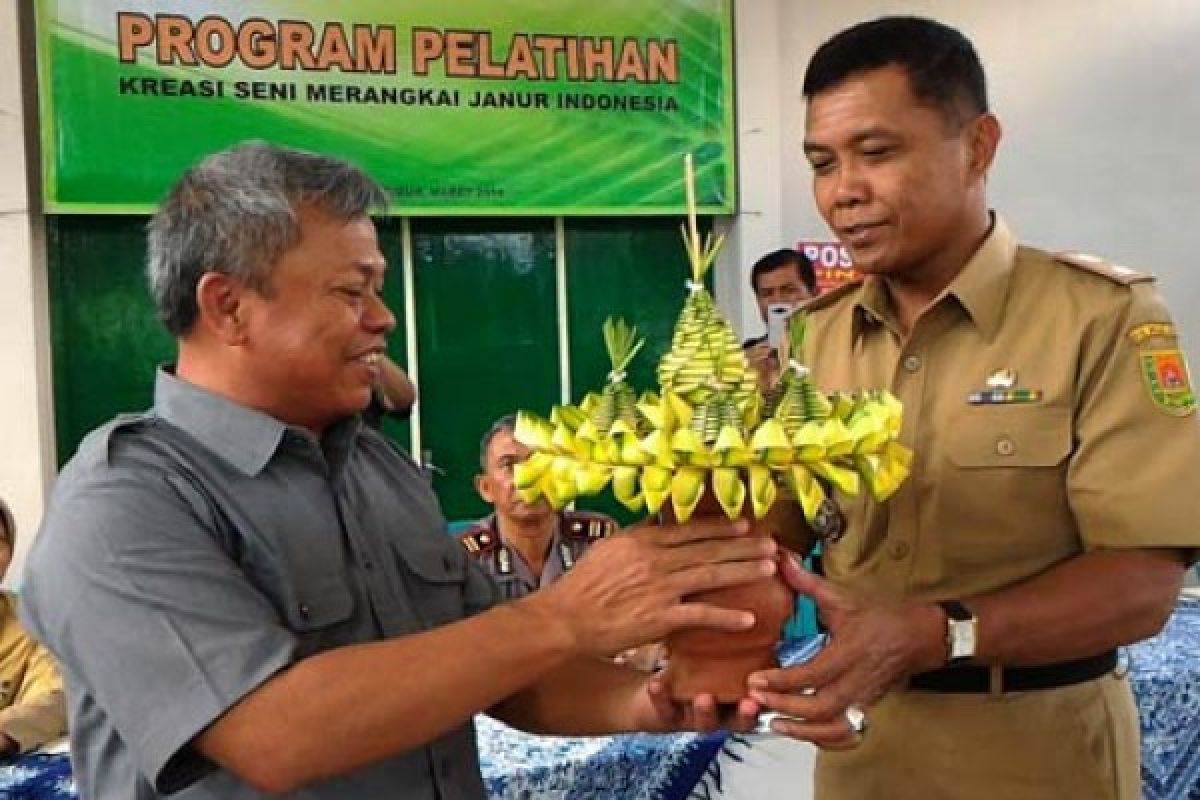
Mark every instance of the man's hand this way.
pixel 704 714
pixel 763 359
pixel 630 589
pixel 870 649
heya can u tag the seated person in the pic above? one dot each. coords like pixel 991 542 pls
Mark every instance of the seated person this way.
pixel 523 546
pixel 32 711
pixel 783 277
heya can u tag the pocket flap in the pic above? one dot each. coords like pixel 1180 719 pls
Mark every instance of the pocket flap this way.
pixel 320 605
pixel 434 563
pixel 1009 436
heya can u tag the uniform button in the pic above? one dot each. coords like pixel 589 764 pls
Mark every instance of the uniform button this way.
pixel 1005 446
pixel 305 611
pixel 368 565
pixel 912 363
pixel 900 550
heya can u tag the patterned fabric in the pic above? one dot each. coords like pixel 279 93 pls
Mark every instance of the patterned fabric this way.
pixel 37 776
pixel 518 766
pixel 1166 681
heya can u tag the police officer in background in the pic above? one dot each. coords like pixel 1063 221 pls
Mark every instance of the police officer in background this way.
pixel 1051 510
pixel 781 277
pixel 524 546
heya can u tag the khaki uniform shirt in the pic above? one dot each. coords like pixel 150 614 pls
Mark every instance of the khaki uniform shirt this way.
pixel 1049 411
pixel 32 711
pixel 574 533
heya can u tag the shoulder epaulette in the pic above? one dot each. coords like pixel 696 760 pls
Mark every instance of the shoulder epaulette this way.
pixel 1105 269
pixel 479 539
pixel 826 299
pixel 588 525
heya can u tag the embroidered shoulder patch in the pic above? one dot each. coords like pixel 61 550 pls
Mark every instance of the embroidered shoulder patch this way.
pixel 1152 330
pixel 1166 376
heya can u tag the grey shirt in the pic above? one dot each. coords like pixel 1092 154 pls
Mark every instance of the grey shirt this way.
pixel 192 552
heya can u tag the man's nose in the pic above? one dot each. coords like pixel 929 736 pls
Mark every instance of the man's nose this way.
pixel 377 317
pixel 851 186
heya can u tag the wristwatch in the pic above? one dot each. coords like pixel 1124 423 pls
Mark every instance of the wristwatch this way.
pixel 961 628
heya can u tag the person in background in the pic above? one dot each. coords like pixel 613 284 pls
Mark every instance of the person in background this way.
pixel 524 546
pixel 32 710
pixel 975 618
pixel 782 277
pixel 252 593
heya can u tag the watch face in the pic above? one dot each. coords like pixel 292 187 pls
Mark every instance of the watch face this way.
pixel 962 639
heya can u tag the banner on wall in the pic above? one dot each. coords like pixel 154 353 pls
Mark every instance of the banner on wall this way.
pixel 551 107
pixel 831 261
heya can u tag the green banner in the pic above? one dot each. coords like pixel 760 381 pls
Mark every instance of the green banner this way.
pixel 463 107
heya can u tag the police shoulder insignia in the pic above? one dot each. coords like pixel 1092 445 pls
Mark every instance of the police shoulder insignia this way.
pixel 1098 266
pixel 1165 373
pixel 478 540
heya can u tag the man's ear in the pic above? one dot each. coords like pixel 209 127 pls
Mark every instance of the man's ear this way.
pixel 219 300
pixel 484 486
pixel 984 135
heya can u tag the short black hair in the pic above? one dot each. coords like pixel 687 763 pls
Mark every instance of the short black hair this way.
pixel 785 258
pixel 506 423
pixel 943 68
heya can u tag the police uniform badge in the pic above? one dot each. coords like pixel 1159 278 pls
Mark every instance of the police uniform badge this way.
pixel 1164 368
pixel 478 540
pixel 1002 389
pixel 1165 373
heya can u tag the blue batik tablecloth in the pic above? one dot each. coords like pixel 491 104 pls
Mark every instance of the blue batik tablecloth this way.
pixel 1166 680
pixel 517 766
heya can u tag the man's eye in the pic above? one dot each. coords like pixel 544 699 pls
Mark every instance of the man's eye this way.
pixel 353 292
pixel 821 165
pixel 877 152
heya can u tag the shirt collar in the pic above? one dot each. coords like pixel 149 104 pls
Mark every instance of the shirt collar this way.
pixel 245 438
pixel 981 286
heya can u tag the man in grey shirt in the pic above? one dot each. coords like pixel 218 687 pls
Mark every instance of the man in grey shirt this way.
pixel 250 593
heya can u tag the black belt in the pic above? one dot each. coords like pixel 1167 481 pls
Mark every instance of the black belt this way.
pixel 970 679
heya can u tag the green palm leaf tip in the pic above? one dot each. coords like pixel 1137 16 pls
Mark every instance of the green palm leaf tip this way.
pixel 617 399
pixel 705 359
pixel 795 399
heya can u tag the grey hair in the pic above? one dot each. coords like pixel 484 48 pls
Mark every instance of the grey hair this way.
pixel 236 213
pixel 506 423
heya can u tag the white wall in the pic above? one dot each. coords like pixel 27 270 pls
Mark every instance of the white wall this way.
pixel 1100 102
pixel 26 435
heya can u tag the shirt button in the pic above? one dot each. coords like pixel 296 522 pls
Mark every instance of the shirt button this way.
pixel 368 564
pixel 305 611
pixel 1005 446
pixel 912 363
pixel 900 550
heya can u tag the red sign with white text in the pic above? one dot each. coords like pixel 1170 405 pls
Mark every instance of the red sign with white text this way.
pixel 831 261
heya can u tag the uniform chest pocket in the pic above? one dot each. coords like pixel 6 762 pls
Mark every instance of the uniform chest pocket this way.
pixel 318 611
pixel 1009 436
pixel 435 576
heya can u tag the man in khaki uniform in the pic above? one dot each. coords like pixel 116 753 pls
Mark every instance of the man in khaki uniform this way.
pixel 1051 510
pixel 524 546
